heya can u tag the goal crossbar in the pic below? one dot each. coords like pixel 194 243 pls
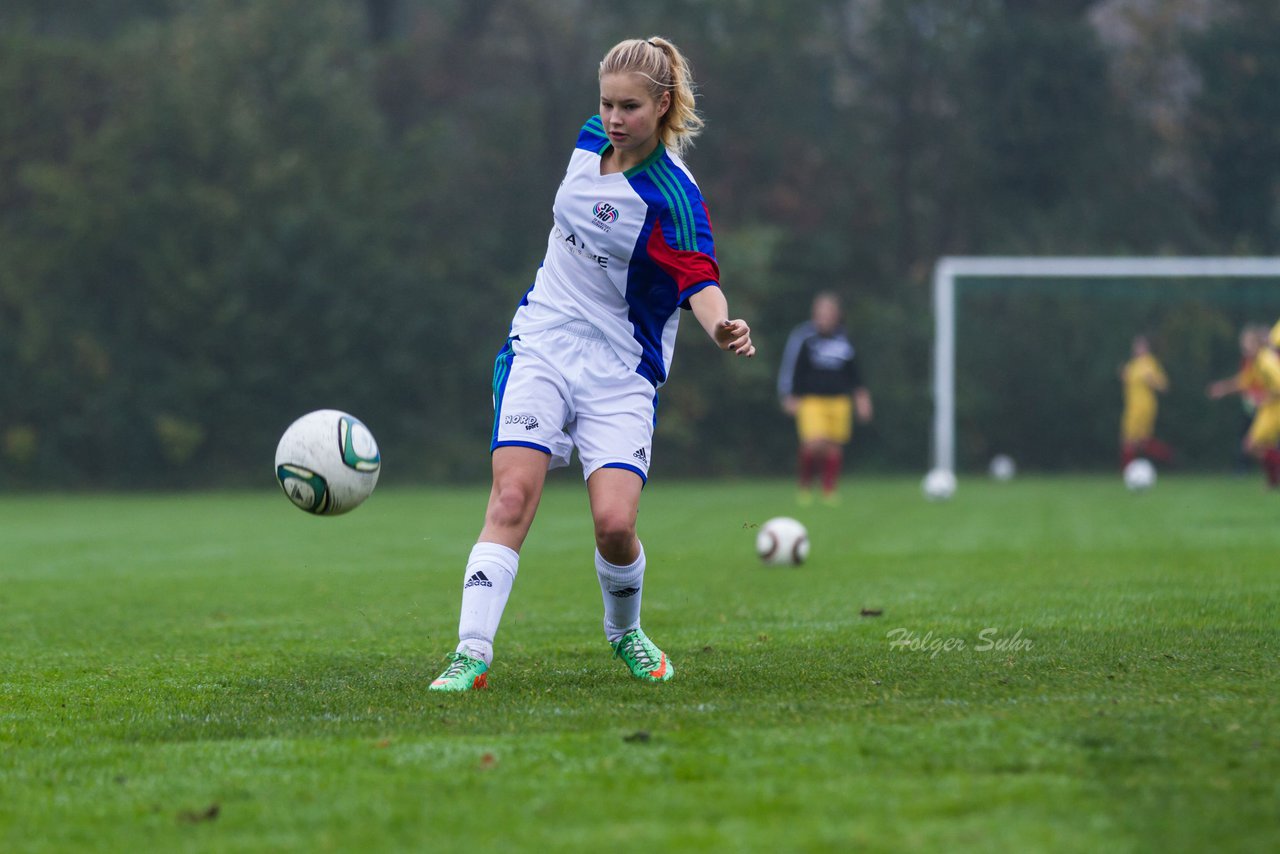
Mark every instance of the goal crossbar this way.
pixel 951 268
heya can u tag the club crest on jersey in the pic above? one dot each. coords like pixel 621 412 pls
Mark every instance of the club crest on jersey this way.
pixel 606 214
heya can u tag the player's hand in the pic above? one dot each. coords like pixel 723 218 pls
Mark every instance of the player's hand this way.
pixel 791 404
pixel 735 336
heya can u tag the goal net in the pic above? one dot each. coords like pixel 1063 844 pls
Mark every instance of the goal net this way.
pixel 1028 314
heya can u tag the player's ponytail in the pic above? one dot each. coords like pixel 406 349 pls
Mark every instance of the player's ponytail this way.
pixel 667 70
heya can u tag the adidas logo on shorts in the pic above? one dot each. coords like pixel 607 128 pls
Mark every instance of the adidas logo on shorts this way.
pixel 477 579
pixel 641 455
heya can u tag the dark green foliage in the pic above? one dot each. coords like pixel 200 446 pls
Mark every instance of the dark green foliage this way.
pixel 1236 127
pixel 217 215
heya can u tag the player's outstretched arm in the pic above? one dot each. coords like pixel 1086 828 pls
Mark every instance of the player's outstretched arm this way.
pixel 712 311
pixel 1221 388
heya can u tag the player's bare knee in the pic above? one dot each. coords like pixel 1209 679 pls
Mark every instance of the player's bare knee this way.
pixel 510 504
pixel 615 536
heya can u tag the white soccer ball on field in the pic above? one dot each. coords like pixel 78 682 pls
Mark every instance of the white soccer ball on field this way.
pixel 782 541
pixel 939 485
pixel 327 462
pixel 1002 467
pixel 1139 475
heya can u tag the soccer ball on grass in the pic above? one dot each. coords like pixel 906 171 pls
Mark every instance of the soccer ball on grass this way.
pixel 327 462
pixel 782 541
pixel 938 485
pixel 1002 468
pixel 1139 475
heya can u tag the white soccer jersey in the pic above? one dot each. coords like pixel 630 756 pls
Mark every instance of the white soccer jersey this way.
pixel 626 250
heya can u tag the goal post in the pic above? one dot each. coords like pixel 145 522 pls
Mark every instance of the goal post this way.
pixel 950 269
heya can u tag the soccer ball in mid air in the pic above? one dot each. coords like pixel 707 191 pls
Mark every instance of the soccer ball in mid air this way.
pixel 939 485
pixel 782 541
pixel 1002 467
pixel 327 462
pixel 1139 475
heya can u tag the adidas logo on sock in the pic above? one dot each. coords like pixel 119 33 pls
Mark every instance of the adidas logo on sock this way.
pixel 477 579
pixel 625 593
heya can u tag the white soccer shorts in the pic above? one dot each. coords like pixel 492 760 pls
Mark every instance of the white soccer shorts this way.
pixel 562 388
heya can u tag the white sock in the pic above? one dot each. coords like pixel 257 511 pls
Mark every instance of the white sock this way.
pixel 621 588
pixel 486 584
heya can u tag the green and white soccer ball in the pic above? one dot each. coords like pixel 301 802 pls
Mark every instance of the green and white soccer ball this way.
pixel 327 462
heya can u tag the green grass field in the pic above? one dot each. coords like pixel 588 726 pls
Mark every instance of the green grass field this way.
pixel 222 672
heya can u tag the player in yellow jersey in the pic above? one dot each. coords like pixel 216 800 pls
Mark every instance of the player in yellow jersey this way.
pixel 1263 440
pixel 1143 378
pixel 1245 382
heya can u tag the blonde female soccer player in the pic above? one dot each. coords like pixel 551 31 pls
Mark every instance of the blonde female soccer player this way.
pixel 590 344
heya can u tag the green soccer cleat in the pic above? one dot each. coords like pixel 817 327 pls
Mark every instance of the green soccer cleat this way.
pixel 645 660
pixel 464 673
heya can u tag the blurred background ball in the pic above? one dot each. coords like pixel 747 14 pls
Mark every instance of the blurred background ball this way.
pixel 782 541
pixel 1002 467
pixel 1139 475
pixel 327 462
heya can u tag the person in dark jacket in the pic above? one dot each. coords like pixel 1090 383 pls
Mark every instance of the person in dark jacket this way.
pixel 820 385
